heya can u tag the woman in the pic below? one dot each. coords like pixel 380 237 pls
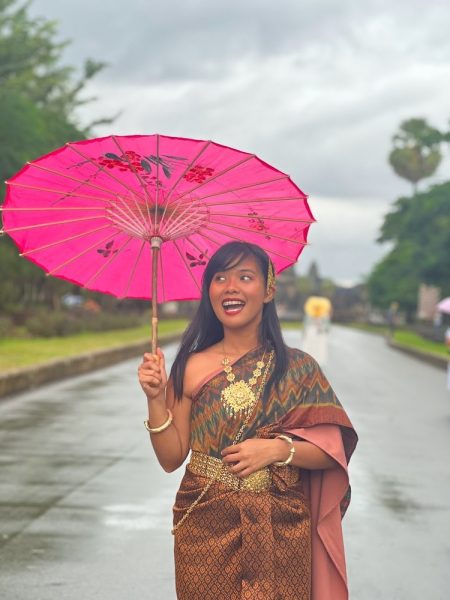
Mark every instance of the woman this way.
pixel 259 508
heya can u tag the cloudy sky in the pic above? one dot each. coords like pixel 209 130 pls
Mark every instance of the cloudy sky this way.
pixel 315 87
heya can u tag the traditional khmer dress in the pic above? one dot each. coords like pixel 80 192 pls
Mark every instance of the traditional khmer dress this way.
pixel 277 533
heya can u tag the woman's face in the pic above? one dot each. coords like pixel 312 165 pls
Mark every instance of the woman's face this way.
pixel 238 294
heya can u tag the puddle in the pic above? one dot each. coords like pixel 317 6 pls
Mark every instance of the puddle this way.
pixel 394 498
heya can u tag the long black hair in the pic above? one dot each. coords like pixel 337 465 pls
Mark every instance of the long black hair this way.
pixel 206 329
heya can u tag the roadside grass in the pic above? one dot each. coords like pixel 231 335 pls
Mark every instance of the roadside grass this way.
pixel 24 352
pixel 413 340
pixel 19 352
pixel 406 338
pixel 291 325
pixel 379 329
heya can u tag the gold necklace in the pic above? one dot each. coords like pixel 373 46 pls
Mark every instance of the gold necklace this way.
pixel 239 396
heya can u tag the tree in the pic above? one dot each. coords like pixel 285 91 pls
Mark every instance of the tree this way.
pixel 419 228
pixel 38 101
pixel 416 154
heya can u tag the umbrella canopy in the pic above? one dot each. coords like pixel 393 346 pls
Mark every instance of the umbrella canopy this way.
pixel 317 306
pixel 444 305
pixel 105 213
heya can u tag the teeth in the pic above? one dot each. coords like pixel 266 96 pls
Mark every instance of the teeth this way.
pixel 232 303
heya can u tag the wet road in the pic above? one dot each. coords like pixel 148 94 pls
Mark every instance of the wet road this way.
pixel 85 510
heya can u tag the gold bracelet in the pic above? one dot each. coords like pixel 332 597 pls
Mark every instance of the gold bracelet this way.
pixel 162 427
pixel 291 450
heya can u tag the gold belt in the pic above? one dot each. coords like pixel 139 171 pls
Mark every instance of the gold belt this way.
pixel 259 481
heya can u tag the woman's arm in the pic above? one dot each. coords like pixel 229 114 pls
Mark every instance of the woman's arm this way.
pixel 171 446
pixel 307 455
pixel 254 454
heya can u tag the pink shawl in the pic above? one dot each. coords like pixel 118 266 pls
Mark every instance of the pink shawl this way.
pixel 326 489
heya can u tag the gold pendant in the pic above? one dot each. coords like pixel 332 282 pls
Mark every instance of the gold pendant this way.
pixel 238 397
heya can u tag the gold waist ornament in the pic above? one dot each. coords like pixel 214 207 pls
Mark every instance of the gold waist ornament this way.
pixel 259 481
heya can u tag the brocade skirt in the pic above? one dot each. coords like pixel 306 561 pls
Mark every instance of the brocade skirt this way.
pixel 238 544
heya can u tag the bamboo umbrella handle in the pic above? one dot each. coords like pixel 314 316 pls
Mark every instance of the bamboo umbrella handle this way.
pixel 156 245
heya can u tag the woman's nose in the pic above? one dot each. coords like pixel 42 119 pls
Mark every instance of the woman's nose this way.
pixel 232 285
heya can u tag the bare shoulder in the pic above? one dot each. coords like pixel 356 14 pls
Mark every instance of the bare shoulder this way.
pixel 199 366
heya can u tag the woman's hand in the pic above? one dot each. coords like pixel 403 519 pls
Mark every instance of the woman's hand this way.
pixel 251 455
pixel 152 375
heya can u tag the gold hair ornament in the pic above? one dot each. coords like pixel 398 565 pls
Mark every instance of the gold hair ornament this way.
pixel 270 278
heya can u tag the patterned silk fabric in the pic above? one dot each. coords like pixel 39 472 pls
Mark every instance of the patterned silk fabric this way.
pixel 251 545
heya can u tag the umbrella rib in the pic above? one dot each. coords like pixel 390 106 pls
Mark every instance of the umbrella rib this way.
pixel 189 166
pixel 264 217
pixel 140 180
pixel 186 265
pixel 246 201
pixel 253 200
pixel 68 239
pixel 200 251
pixel 243 187
pixel 157 184
pixel 128 226
pixel 53 191
pixel 133 270
pixel 233 237
pixel 203 234
pixel 176 224
pixel 66 176
pixel 264 233
pixel 26 227
pixel 161 272
pixel 84 251
pixel 103 170
pixel 35 208
pixel 107 263
pixel 227 170
pixel 128 218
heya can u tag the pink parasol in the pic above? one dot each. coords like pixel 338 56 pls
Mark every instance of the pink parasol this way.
pixel 139 216
pixel 444 305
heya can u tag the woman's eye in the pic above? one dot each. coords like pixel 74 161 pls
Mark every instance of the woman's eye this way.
pixel 246 278
pixel 219 278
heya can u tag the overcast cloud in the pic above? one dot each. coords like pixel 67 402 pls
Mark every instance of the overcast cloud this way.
pixel 315 87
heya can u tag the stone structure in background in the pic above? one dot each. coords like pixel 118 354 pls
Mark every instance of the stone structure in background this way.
pixel 427 299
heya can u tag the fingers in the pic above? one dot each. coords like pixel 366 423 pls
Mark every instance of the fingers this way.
pixel 152 374
pixel 154 362
pixel 230 450
pixel 161 357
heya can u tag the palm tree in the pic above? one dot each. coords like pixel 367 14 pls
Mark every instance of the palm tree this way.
pixel 416 153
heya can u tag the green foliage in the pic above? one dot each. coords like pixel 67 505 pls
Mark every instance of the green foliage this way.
pixel 419 228
pixel 38 100
pixel 413 132
pixel 63 323
pixel 416 154
pixel 6 326
pixel 413 164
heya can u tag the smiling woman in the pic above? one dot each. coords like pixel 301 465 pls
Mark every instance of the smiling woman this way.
pixel 258 512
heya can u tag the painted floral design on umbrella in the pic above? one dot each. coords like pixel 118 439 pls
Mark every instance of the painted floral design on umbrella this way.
pixel 257 222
